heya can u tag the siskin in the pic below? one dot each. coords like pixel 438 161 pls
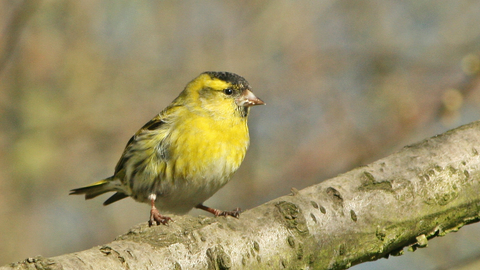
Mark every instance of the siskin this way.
pixel 187 152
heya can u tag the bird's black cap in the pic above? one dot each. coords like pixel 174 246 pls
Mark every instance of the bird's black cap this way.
pixel 232 78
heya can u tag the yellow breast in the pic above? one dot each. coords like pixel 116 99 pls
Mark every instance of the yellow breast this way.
pixel 202 149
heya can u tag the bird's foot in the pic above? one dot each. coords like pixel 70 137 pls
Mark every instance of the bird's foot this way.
pixel 234 213
pixel 156 218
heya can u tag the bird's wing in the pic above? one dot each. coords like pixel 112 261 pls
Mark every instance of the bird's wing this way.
pixel 156 123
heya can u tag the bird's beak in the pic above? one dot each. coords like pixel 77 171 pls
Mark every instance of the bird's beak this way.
pixel 247 99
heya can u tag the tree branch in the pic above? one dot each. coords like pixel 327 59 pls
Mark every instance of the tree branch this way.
pixel 425 190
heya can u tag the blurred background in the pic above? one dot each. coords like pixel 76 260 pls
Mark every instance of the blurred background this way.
pixel 345 82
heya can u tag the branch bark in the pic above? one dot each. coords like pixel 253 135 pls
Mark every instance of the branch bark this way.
pixel 425 190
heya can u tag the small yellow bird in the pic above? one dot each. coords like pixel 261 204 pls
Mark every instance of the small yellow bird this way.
pixel 187 152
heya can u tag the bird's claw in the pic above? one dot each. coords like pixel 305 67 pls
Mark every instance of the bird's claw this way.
pixel 234 213
pixel 156 218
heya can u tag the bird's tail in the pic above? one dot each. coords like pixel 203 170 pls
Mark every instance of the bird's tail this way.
pixel 95 189
pixel 100 187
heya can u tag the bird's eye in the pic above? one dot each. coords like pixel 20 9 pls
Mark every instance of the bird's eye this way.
pixel 228 91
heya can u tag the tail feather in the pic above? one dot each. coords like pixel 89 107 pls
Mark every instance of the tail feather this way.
pixel 95 189
pixel 115 197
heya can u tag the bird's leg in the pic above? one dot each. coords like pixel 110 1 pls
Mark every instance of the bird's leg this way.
pixel 235 213
pixel 155 216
